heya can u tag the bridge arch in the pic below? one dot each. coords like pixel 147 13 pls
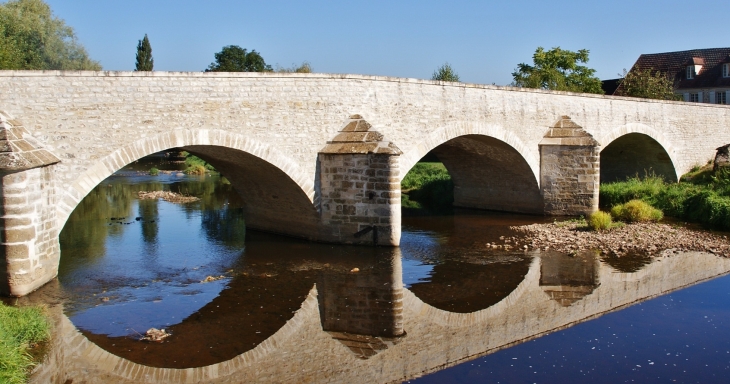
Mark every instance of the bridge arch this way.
pixel 234 155
pixel 491 168
pixel 635 148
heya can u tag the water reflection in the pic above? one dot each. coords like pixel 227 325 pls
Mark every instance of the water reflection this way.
pixel 568 278
pixel 257 307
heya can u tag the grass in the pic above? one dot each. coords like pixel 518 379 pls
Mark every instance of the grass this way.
pixel 427 186
pixel 635 211
pixel 20 329
pixel 196 165
pixel 154 171
pixel 702 196
pixel 599 221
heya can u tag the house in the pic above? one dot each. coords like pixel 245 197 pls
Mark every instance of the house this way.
pixel 700 75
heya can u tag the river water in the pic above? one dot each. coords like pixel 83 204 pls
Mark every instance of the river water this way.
pixel 250 306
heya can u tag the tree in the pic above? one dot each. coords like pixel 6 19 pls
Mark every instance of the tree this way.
pixel 32 38
pixel 233 58
pixel 646 83
pixel 445 73
pixel 558 70
pixel 145 62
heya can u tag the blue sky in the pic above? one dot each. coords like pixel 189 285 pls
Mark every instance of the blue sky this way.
pixel 482 40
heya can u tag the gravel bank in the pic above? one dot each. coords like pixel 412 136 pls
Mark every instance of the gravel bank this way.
pixel 648 238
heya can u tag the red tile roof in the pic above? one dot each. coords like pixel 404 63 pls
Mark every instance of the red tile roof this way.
pixel 674 64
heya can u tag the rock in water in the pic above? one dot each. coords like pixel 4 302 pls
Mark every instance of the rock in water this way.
pixel 154 334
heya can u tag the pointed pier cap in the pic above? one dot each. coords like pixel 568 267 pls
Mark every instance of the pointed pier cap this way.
pixel 567 132
pixel 357 137
pixel 19 151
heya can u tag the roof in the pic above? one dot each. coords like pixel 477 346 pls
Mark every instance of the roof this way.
pixel 674 64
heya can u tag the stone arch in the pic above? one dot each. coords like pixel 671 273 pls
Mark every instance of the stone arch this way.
pixel 446 133
pixel 222 149
pixel 490 167
pixel 648 148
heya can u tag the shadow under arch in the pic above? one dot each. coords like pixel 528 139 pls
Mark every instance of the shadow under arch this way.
pixel 636 149
pixel 278 195
pixel 488 172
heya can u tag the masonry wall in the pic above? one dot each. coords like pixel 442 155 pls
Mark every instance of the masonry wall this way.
pixel 29 233
pixel 569 177
pixel 360 198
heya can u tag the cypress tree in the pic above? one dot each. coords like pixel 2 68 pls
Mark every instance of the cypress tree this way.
pixel 145 62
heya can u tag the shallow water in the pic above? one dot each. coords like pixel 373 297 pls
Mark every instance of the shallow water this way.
pixel 280 309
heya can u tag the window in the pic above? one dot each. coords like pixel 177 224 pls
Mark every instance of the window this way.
pixel 721 97
pixel 726 70
pixel 694 98
pixel 690 71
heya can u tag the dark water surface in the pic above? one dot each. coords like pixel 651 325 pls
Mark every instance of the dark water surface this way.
pixel 283 310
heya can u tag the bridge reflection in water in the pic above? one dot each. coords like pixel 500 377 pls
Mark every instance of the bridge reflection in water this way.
pixel 365 327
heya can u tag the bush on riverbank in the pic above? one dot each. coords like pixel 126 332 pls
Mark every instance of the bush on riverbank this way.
pixel 427 185
pixel 702 196
pixel 154 171
pixel 196 165
pixel 636 211
pixel 599 221
pixel 20 329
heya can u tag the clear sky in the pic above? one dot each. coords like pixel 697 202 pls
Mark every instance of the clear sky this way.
pixel 482 40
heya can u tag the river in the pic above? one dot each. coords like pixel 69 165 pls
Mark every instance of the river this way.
pixel 250 306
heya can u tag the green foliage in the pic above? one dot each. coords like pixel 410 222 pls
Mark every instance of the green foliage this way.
pixel 145 62
pixel 636 211
pixel 305 67
pixel 428 185
pixel 154 171
pixel 599 220
pixel 197 166
pixel 19 328
pixel 233 58
pixel 558 70
pixel 445 73
pixel 32 38
pixel 648 84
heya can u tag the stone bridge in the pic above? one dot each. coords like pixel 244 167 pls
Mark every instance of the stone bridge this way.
pixel 321 156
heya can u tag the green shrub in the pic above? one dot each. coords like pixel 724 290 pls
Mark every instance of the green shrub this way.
pixel 154 171
pixel 636 211
pixel 19 327
pixel 197 169
pixel 599 220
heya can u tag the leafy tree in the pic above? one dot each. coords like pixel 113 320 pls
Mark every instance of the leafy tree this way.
pixel 558 70
pixel 233 58
pixel 145 62
pixel 647 83
pixel 32 38
pixel 445 73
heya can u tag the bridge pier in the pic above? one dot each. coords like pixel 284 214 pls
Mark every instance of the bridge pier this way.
pixel 360 188
pixel 569 170
pixel 29 248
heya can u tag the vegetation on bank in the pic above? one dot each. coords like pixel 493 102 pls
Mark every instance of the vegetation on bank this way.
pixel 20 330
pixel 703 196
pixel 427 186
pixel 196 165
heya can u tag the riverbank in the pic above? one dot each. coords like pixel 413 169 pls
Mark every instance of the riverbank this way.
pixel 647 238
